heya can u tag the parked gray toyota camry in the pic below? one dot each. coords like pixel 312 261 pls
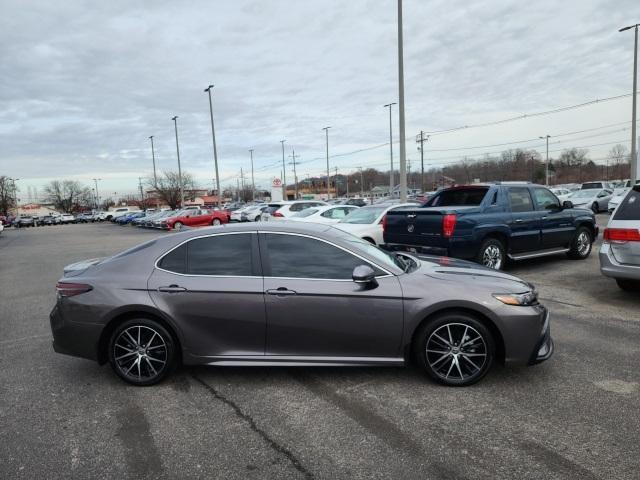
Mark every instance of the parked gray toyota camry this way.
pixel 293 294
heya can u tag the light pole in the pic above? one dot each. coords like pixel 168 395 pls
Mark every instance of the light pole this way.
pixel 295 175
pixel 175 124
pixel 403 157
pixel 284 174
pixel 546 167
pixel 326 131
pixel 634 156
pixel 153 159
pixel 253 183
pixel 215 150
pixel 391 175
pixel 361 183
pixel 95 182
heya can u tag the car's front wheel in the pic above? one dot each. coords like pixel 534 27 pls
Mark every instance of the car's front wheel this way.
pixel 216 221
pixel 595 208
pixel 455 349
pixel 177 226
pixel 142 352
pixel 581 245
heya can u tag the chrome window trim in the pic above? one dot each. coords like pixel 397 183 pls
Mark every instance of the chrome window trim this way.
pixel 387 273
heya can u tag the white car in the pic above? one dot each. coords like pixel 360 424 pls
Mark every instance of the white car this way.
pixel 67 218
pixel 117 212
pixel 619 194
pixel 1 227
pixel 329 214
pixel 366 222
pixel 236 215
pixel 594 198
pixel 562 193
pixel 286 209
pixel 253 213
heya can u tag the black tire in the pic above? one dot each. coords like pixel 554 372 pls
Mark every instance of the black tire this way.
pixel 628 285
pixel 441 361
pixel 579 250
pixel 595 208
pixel 161 356
pixel 492 254
pixel 177 226
pixel 257 219
pixel 216 222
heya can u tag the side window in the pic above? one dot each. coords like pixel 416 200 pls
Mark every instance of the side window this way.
pixel 176 260
pixel 545 199
pixel 494 198
pixel 220 255
pixel 297 207
pixel 294 256
pixel 520 199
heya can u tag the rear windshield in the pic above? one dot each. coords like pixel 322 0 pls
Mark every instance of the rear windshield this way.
pixel 588 185
pixel 629 209
pixel 458 197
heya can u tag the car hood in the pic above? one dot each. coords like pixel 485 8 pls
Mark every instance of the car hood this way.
pixel 79 267
pixel 456 270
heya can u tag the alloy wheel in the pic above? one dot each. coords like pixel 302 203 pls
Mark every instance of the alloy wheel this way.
pixel 583 244
pixel 216 221
pixel 177 225
pixel 140 353
pixel 492 257
pixel 456 352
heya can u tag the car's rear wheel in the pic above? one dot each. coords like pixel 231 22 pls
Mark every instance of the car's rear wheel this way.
pixel 595 208
pixel 216 221
pixel 455 349
pixel 177 226
pixel 628 285
pixel 581 244
pixel 492 254
pixel 257 219
pixel 142 352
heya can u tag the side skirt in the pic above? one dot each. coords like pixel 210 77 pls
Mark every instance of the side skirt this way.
pixel 539 253
pixel 295 361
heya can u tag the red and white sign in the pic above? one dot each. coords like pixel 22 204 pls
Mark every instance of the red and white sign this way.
pixel 276 183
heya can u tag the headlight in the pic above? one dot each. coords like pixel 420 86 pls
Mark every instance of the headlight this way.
pixel 520 299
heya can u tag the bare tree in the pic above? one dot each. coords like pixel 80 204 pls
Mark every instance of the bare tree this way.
pixel 7 195
pixel 617 155
pixel 168 187
pixel 68 195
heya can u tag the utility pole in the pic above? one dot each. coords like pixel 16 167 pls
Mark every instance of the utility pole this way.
pixel 237 190
pixel 347 177
pixel 175 123
pixel 253 183
pixel 95 181
pixel 421 140
pixel 215 150
pixel 295 174
pixel 361 183
pixel 546 167
pixel 242 181
pixel 326 130
pixel 140 187
pixel 153 159
pixel 634 156
pixel 392 180
pixel 403 158
pixel 284 174
pixel 335 182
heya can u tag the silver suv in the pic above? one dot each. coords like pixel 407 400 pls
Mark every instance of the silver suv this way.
pixel 620 251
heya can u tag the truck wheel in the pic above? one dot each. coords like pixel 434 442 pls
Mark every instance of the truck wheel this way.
pixel 492 254
pixel 581 244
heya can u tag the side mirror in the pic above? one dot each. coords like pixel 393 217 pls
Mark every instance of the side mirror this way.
pixel 364 275
pixel 567 204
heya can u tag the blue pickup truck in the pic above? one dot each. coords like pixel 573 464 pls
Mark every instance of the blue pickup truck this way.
pixel 490 223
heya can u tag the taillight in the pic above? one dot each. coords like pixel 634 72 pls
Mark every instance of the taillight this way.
pixel 449 224
pixel 384 224
pixel 66 289
pixel 277 214
pixel 621 235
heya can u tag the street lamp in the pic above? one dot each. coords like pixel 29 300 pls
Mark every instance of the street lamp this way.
pixel 634 156
pixel 403 154
pixel 284 173
pixel 391 175
pixel 153 159
pixel 546 168
pixel 95 181
pixel 175 124
pixel 215 150
pixel 326 131
pixel 253 183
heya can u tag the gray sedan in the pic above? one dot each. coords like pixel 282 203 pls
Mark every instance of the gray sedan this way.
pixel 594 198
pixel 293 294
pixel 620 251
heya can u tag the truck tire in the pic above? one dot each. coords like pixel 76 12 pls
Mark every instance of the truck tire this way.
pixel 581 244
pixel 492 254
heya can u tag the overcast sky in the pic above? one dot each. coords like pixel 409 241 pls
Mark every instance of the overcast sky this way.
pixel 84 84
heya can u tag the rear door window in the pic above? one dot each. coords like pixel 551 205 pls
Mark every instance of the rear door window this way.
pixel 629 209
pixel 520 199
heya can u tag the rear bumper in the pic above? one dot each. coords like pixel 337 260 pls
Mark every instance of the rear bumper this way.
pixel 73 338
pixel 609 267
pixel 463 249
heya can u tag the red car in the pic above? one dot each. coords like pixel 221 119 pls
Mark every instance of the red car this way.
pixel 198 218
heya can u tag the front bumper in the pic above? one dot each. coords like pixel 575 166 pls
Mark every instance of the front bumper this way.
pixel 545 347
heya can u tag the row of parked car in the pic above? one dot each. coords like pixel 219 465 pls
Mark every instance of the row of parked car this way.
pixel 599 196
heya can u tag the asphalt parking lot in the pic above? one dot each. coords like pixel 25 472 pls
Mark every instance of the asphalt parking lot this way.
pixel 575 416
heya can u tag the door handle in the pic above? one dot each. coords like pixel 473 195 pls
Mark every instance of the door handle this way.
pixel 518 220
pixel 544 218
pixel 281 291
pixel 172 289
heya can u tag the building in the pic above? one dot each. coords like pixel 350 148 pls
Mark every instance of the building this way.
pixel 36 209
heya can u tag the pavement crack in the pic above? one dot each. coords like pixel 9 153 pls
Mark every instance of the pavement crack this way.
pixel 297 464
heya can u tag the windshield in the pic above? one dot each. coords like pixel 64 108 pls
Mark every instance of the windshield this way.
pixel 364 215
pixel 591 185
pixel 582 194
pixel 458 197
